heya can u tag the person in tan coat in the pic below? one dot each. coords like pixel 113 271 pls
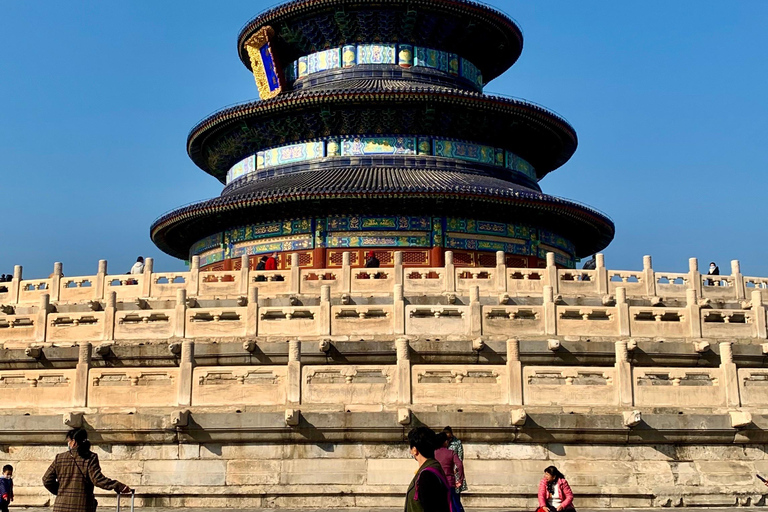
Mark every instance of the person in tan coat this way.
pixel 74 474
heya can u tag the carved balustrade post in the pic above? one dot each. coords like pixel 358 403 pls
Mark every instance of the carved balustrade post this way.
pixel 245 274
pixel 738 280
pixel 694 312
pixel 398 267
pixel 186 372
pixel 41 322
pixel 501 271
pixel 450 273
pixel 146 286
pixel 58 272
pixel 294 285
pixel 623 382
pixel 622 311
pixel 180 314
pixel 694 276
pixel 81 374
pixel 758 308
pixel 346 272
pixel 403 371
pixel 601 274
pixel 550 310
pixel 398 310
pixel 15 284
pixel 294 372
pixel 193 286
pixel 550 273
pixel 649 276
pixel 730 380
pixel 252 312
pixel 515 372
pixel 100 282
pixel 325 310
pixel 110 314
pixel 475 312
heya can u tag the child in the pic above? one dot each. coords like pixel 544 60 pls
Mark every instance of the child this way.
pixel 6 488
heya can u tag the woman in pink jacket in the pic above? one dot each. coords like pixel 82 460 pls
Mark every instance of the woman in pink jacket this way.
pixel 554 492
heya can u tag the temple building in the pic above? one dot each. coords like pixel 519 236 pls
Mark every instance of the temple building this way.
pixel 373 133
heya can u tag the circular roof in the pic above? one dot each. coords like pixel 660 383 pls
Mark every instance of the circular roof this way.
pixel 485 36
pixel 385 107
pixel 380 189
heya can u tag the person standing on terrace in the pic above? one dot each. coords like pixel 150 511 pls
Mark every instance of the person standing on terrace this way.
pixel 138 267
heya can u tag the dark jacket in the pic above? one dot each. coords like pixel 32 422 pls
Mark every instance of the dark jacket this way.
pixel 72 479
pixel 433 494
pixel 373 262
pixel 6 491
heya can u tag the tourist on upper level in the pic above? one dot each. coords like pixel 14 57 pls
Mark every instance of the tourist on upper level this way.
pixel 271 263
pixel 261 265
pixel 2 278
pixel 371 261
pixel 73 475
pixel 590 264
pixel 554 492
pixel 714 270
pixel 429 490
pixel 138 267
pixel 453 469
pixel 454 444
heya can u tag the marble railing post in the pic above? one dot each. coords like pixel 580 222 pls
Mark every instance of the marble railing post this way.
pixel 58 272
pixel 325 310
pixel 761 331
pixel 398 267
pixel 100 282
pixel 694 312
pixel 694 276
pixel 81 375
pixel 622 311
pixel 550 273
pixel 294 372
pixel 15 284
pixel 252 312
pixel 245 274
pixel 146 286
pixel 623 375
pixel 515 372
pixel 180 314
pixel 41 322
pixel 501 271
pixel 550 310
pixel 601 274
pixel 403 371
pixel 398 310
pixel 450 273
pixel 186 372
pixel 475 312
pixel 738 280
pixel 193 286
pixel 346 272
pixel 649 276
pixel 293 287
pixel 110 310
pixel 730 375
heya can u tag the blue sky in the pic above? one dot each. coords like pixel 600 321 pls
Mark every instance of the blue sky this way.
pixel 668 99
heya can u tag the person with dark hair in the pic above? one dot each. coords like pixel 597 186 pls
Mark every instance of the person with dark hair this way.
pixel 6 488
pixel 555 494
pixel 453 469
pixel 261 265
pixel 371 261
pixel 74 474
pixel 714 270
pixel 429 489
pixel 454 444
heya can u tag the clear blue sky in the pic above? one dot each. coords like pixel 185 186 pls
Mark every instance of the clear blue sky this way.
pixel 669 100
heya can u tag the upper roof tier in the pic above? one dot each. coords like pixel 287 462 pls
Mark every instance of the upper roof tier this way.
pixel 485 36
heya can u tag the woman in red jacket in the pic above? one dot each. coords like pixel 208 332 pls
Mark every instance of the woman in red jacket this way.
pixel 554 492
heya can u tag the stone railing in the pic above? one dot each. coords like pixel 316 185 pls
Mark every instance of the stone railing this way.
pixel 438 302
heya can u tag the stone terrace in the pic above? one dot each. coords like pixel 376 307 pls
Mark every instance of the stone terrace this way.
pixel 296 388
